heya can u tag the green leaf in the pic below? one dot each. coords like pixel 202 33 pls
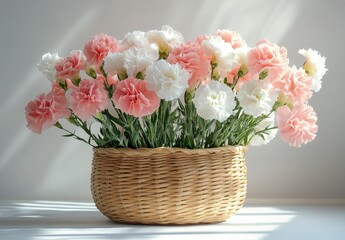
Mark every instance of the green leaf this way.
pixel 68 135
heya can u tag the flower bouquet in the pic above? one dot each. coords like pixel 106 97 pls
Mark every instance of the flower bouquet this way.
pixel 154 101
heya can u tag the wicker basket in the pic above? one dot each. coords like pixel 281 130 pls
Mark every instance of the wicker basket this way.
pixel 169 185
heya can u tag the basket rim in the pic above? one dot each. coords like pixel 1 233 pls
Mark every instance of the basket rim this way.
pixel 165 150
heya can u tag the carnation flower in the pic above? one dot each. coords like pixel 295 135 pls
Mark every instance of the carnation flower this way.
pixel 57 90
pixel 45 111
pixel 295 84
pixel 110 80
pixel 88 98
pixel 297 126
pixel 169 81
pixel 166 38
pixel 233 73
pixel 131 61
pixel 137 59
pixel 267 57
pixel 241 65
pixel 284 100
pixel 71 65
pixel 216 77
pixel 134 39
pixel 314 66
pixel 214 100
pixel 268 135
pixel 114 63
pixel 232 37
pixel 257 97
pixel 221 53
pixel 98 48
pixel 191 57
pixel 132 97
pixel 47 65
pixel 199 39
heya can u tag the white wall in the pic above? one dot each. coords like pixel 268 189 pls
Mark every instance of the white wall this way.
pixel 52 167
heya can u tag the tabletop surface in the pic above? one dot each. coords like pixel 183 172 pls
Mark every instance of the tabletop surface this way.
pixel 41 220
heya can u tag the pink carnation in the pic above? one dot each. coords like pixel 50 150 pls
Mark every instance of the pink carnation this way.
pixel 98 48
pixel 191 57
pixel 45 111
pixel 132 97
pixel 70 85
pixel 267 56
pixel 297 126
pixel 57 90
pixel 233 73
pixel 295 84
pixel 111 79
pixel 232 37
pixel 88 98
pixel 199 39
pixel 71 65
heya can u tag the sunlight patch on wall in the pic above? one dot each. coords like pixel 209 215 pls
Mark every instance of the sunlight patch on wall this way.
pixel 252 19
pixel 14 101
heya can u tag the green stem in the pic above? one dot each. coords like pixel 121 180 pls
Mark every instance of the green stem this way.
pixel 83 125
pixel 58 125
pixel 235 82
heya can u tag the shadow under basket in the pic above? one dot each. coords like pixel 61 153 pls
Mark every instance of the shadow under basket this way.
pixel 169 185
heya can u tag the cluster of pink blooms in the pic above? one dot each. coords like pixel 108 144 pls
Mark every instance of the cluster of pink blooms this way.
pixel 145 67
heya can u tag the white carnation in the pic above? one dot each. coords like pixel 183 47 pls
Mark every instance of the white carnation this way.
pixel 134 39
pixel 137 59
pixel 114 62
pixel 169 81
pixel 222 54
pixel 47 65
pixel 214 101
pixel 314 66
pixel 166 38
pixel 241 56
pixel 268 136
pixel 257 97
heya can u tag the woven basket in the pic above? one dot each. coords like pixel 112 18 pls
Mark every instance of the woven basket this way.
pixel 169 185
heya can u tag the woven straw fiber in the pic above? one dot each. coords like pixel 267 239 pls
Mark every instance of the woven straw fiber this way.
pixel 169 185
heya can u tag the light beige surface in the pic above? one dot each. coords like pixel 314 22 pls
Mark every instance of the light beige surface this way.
pixel 41 220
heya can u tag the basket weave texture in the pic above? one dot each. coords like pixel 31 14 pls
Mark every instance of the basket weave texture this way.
pixel 169 185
